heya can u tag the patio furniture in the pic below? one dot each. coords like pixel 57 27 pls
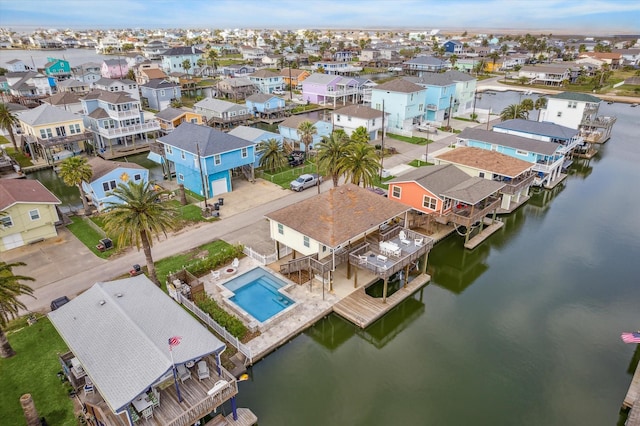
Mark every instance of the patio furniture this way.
pixel 142 402
pixel 215 275
pixel 203 370
pixel 403 238
pixel 418 242
pixel 147 413
pixel 235 263
pixel 134 415
pixel 362 260
pixel 183 373
pixel 88 386
pixel 382 258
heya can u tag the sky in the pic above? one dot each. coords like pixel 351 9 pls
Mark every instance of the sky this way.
pixel 538 16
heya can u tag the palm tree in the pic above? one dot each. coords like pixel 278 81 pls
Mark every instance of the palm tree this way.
pixel 74 171
pixel 10 289
pixel 212 58
pixel 306 131
pixel 272 155
pixel 453 59
pixel 513 111
pixel 360 135
pixel 138 216
pixel 541 103
pixel 186 65
pixel 331 150
pixel 527 104
pixel 7 121
pixel 360 164
pixel 494 57
pixel 201 63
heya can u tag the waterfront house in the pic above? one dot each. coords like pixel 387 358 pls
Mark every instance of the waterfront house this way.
pixel 73 86
pixel 236 70
pixel 17 65
pixel 267 81
pixel 237 88
pixel 154 49
pixel 117 123
pixel 121 85
pixel 201 153
pixel 294 76
pixel 545 74
pixel 439 96
pixel 330 89
pixel 170 118
pixel 160 93
pixel 28 86
pixel 146 72
pixel 351 117
pixel 174 58
pixel 422 64
pixel 107 175
pixel 114 68
pixel 289 130
pixel 57 68
pixel 336 68
pixel 250 53
pixel 453 46
pixel 66 100
pixel 403 101
pixel 547 157
pixel 222 113
pixel 89 72
pixel 53 133
pixel 265 105
pixel 29 213
pixel 255 135
pixel 108 44
pixel 542 130
pixel 516 174
pixel 122 361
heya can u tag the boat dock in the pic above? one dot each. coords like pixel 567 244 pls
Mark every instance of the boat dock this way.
pixel 632 400
pixel 484 234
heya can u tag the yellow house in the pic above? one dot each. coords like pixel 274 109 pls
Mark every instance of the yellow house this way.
pixel 28 213
pixel 52 133
pixel 170 118
pixel 294 76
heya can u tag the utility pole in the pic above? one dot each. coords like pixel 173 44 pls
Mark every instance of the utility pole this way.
pixel 450 111
pixel 290 84
pixel 204 187
pixel 382 145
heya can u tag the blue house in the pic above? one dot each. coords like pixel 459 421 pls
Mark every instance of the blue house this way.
pixel 172 59
pixel 289 130
pixel 440 96
pixel 107 175
pixel 421 64
pixel 261 104
pixel 404 103
pixel 57 68
pixel 453 46
pixel 255 135
pixel 159 93
pixel 202 153
pixel 544 131
pixel 547 157
pixel 267 81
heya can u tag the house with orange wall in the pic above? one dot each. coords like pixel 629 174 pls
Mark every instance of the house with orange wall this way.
pixel 294 76
pixel 170 118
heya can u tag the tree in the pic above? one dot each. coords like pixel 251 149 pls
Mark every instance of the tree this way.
pixel 201 63
pixel 11 288
pixel 453 59
pixel 513 111
pixel 541 103
pixel 306 131
pixel 494 57
pixel 186 65
pixel 7 121
pixel 74 171
pixel 527 104
pixel 212 59
pixel 131 75
pixel 331 150
pixel 360 164
pixel 138 216
pixel 272 156
pixel 360 135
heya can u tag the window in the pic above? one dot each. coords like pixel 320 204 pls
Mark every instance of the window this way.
pixel 397 192
pixel 573 104
pixel 74 129
pixel 349 118
pixel 108 186
pixel 6 222
pixel 559 113
pixel 217 160
pixel 481 174
pixel 34 214
pixel 194 120
pixel 180 177
pixel 168 149
pixel 137 177
pixel 61 131
pixel 46 133
pixel 305 241
pixel 429 203
pixel 447 203
pixel 182 155
pixel 523 153
pixel 244 153
pixel 338 117
pixel 280 229
pixel 161 92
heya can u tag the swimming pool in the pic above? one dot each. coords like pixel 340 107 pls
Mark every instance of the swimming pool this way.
pixel 256 292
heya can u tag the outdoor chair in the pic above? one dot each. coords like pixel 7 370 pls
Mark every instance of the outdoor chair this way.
pixel 203 370
pixel 183 373
pixel 88 386
pixel 215 275
pixel 362 260
pixel 403 239
pixel 147 413
pixel 418 242
pixel 134 415
pixel 235 263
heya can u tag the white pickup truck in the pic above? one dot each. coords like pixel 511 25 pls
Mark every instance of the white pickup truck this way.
pixel 305 181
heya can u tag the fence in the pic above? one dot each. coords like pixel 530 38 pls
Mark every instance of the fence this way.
pixel 265 259
pixel 220 330
pixel 287 175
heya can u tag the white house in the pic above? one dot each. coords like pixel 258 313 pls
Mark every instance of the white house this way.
pixel 351 117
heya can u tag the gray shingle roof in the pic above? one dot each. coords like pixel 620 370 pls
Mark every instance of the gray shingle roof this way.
pixel 426 60
pixel 191 137
pixel 119 332
pixel 517 142
pixel 252 133
pixel 575 96
pixel 359 111
pixel 317 78
pixel 110 97
pixel 170 113
pixel 543 128
pixel 218 105
pixel 46 114
pixel 101 167
pixel 159 83
pixel 182 50
pixel 399 85
pixel 431 79
pixel 473 190
pixel 261 97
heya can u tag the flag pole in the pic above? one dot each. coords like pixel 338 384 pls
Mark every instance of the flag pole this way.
pixel 175 375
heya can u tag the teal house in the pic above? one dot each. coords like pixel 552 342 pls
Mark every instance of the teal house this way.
pixel 403 102
pixel 57 68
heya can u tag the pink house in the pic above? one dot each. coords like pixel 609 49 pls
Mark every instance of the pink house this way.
pixel 114 68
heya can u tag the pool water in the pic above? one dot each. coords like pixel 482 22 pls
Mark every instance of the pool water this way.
pixel 256 292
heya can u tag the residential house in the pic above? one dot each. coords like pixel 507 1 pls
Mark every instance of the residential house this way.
pixel 222 113
pixel 66 100
pixel 440 92
pixel 267 81
pixel 236 88
pixel 17 65
pixel 543 131
pixel 123 85
pixel 255 135
pixel 421 64
pixel 250 53
pixel 544 74
pixel 516 174
pixel 29 213
pixel 448 195
pixel 134 322
pixel 159 93
pixel 236 70
pixel 547 157
pixel 28 85
pixel 108 44
pixel 403 101
pixel 343 56
pixel 57 68
pixel 89 72
pixel 289 130
pixel 148 71
pixel 117 123
pixel 351 117
pixel 612 59
pixel 272 61
pixel 330 89
pixel 453 46
pixel 107 175
pixel 73 86
pixel 52 133
pixel 154 49
pixel 170 118
pixel 294 76
pixel 579 111
pixel 336 68
pixel 114 68
pixel 174 59
pixel 202 153
pixel 265 105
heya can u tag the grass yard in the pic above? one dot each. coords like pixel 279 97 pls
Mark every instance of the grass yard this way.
pixel 88 235
pixel 409 139
pixel 420 163
pixel 34 370
pixel 20 158
pixel 285 177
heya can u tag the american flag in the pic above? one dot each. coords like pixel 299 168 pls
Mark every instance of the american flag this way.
pixel 174 341
pixel 631 337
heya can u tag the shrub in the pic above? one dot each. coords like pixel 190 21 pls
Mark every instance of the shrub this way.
pixel 232 324
pixel 215 260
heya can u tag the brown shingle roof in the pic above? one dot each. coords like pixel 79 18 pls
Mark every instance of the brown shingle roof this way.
pixel 153 73
pixel 63 98
pixel 14 191
pixel 359 111
pixel 110 97
pixel 338 215
pixel 483 159
pixel 264 74
pixel 101 167
pixel 294 121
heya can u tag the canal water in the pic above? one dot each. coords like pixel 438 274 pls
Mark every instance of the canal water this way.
pixel 523 330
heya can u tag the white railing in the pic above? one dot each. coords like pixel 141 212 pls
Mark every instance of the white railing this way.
pixel 548 167
pixel 220 330
pixel 129 130
pixel 265 259
pixel 126 114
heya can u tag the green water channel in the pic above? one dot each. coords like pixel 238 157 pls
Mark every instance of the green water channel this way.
pixel 524 330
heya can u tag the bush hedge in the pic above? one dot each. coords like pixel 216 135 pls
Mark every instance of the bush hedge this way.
pixel 232 324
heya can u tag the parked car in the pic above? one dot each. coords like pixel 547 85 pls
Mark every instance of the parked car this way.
pixel 60 301
pixel 305 181
pixel 296 158
pixel 278 92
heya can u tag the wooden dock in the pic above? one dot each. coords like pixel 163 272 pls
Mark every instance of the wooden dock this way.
pixel 632 400
pixel 362 309
pixel 245 418
pixel 484 234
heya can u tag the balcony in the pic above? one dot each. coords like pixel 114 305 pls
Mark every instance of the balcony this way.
pixel 466 215
pixel 548 166
pixel 149 126
pixel 132 113
pixel 62 140
pixel 514 186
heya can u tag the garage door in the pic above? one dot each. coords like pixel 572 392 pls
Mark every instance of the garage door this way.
pixel 219 186
pixel 12 241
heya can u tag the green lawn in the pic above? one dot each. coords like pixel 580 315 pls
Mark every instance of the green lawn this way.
pixel 20 158
pixel 88 235
pixel 409 139
pixel 285 177
pixel 420 163
pixel 34 370
pixel 302 108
